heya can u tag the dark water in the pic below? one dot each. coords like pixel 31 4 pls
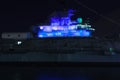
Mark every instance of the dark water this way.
pixel 35 73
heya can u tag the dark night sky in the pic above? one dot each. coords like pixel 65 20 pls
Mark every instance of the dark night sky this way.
pixel 18 16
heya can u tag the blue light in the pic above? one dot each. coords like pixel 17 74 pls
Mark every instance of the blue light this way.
pixel 64 27
pixel 81 33
pixel 86 33
pixel 61 77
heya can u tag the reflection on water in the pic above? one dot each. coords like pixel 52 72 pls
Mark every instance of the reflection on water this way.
pixel 61 77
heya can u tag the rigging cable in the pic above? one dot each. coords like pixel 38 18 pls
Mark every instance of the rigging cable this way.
pixel 92 10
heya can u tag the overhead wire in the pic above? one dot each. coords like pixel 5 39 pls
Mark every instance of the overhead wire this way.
pixel 95 12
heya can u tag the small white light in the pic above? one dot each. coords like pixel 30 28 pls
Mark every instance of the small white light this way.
pixel 41 27
pixel 54 28
pixel 19 42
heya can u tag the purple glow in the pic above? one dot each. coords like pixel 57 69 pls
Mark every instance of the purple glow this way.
pixel 47 29
pixel 51 28
pixel 64 26
pixel 62 21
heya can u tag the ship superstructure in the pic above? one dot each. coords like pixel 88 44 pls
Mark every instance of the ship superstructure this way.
pixel 61 25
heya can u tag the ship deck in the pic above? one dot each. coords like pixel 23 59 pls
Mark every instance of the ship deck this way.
pixel 44 57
